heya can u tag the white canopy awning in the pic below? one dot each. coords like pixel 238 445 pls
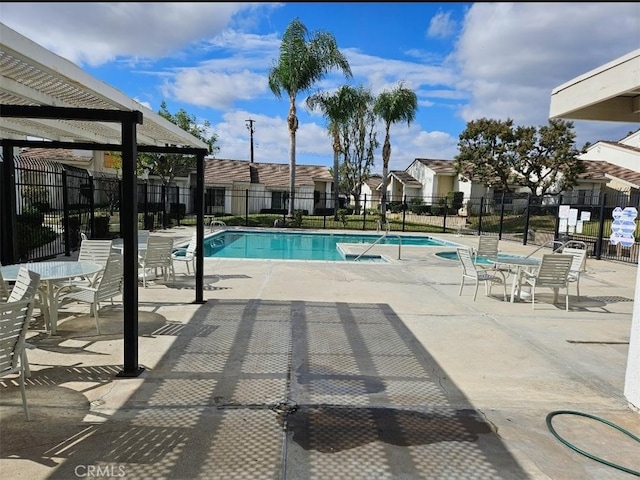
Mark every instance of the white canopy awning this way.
pixel 608 93
pixel 33 75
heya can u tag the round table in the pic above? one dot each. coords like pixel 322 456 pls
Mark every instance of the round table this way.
pixel 50 272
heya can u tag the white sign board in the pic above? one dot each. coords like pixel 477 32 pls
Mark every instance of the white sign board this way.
pixel 573 217
pixel 623 226
pixel 563 211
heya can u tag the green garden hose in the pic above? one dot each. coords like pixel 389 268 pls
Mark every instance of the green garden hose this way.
pixel 582 452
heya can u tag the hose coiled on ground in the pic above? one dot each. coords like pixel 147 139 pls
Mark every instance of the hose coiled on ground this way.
pixel 582 452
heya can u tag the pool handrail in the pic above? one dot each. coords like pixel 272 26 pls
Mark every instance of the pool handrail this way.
pixel 377 240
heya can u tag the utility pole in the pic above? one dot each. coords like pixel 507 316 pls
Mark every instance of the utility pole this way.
pixel 251 130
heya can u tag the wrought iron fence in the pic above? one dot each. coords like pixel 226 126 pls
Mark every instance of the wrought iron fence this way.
pixel 56 202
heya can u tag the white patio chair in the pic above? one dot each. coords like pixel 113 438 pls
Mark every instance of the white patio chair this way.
pixel 94 251
pixel 14 322
pixel 487 247
pixel 552 273
pixel 471 271
pixel 187 254
pixel 24 288
pixel 578 265
pixel 4 289
pixel 157 257
pixel 107 285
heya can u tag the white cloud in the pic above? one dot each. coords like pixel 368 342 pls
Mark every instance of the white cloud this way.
pixel 441 25
pixel 95 33
pixel 511 55
pixel 212 89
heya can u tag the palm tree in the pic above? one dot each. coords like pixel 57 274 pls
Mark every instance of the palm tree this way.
pixel 399 104
pixel 303 62
pixel 337 107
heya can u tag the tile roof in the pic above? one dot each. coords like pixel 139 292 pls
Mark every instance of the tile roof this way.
pixel 57 154
pixel 442 167
pixel 228 171
pixel 607 170
pixel 406 178
pixel 374 181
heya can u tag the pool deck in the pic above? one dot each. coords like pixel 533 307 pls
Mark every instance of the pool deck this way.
pixel 307 369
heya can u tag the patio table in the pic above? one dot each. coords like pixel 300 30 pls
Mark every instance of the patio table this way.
pixel 517 263
pixel 50 272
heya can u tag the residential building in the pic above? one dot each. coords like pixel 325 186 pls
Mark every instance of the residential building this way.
pixel 237 187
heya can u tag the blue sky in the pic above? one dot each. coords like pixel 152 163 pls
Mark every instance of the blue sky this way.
pixel 464 61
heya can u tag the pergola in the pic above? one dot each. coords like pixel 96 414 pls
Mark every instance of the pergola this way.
pixel 609 93
pixel 44 96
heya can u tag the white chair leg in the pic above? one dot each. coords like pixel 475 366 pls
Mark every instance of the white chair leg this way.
pixel 475 293
pixel 461 286
pixel 23 392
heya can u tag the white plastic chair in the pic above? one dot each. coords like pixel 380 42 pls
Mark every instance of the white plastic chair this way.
pixel 25 288
pixel 14 322
pixel 472 272
pixel 94 251
pixel 578 265
pixel 4 289
pixel 157 257
pixel 187 254
pixel 552 273
pixel 107 285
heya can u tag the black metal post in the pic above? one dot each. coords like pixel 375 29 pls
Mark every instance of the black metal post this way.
pixel 199 207
pixel 8 221
pixel 480 215
pixel 65 215
pixel 404 211
pixel 364 213
pixel 92 208
pixel 129 231
pixel 525 237
pixel 246 207
pixel 501 217
pixel 600 238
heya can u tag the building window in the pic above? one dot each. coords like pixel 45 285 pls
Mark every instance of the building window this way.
pixel 214 200
pixel 279 200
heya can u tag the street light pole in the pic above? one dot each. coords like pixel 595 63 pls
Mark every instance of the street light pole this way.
pixel 251 130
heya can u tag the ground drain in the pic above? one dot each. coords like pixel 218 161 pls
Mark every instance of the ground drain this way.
pixel 596 342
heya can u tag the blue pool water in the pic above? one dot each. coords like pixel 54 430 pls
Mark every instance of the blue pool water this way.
pixel 299 246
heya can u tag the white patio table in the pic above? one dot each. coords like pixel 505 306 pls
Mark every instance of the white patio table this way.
pixel 50 272
pixel 517 263
pixel 118 243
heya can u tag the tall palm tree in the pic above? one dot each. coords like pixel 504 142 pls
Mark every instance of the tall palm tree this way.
pixel 337 107
pixel 304 60
pixel 399 104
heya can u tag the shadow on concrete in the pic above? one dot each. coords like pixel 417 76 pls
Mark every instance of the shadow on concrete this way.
pixel 286 390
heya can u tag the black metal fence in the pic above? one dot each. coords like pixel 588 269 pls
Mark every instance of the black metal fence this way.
pixel 55 203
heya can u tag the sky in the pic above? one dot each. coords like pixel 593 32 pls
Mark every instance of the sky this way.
pixel 464 61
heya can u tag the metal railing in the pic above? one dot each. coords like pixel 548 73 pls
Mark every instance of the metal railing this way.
pixel 378 240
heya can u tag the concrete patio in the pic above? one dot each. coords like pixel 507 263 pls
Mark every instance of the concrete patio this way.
pixel 305 370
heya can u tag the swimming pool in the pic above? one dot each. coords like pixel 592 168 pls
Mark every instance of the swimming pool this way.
pixel 300 246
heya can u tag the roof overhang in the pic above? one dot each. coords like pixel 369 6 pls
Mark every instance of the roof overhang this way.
pixel 608 93
pixel 31 75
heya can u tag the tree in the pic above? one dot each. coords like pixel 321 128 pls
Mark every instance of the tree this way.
pixel 304 60
pixel 360 141
pixel 502 156
pixel 167 166
pixel 336 107
pixel 399 104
